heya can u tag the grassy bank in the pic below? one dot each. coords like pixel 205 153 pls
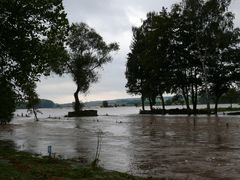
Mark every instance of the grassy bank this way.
pixel 23 165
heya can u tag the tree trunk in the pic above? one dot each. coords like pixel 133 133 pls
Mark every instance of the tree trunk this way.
pixel 143 105
pixel 194 98
pixel 150 103
pixel 35 114
pixel 77 102
pixel 163 103
pixel 185 95
pixel 216 105
pixel 205 80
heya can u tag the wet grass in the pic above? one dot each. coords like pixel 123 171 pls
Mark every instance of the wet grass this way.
pixel 24 166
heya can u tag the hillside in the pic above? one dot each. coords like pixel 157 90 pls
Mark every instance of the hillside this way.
pixel 44 103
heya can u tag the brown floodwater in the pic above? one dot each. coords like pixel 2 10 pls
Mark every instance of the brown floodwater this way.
pixel 178 147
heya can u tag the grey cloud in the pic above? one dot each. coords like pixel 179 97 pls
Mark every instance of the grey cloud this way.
pixel 110 15
pixel 235 6
pixel 103 15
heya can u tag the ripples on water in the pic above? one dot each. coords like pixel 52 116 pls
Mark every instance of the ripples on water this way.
pixel 160 146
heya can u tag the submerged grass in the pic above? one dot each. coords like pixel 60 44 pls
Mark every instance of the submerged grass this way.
pixel 24 166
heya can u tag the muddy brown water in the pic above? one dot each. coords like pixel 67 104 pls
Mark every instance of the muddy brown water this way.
pixel 179 147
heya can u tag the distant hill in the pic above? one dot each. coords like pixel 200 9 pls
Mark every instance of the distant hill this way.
pixel 65 105
pixel 44 103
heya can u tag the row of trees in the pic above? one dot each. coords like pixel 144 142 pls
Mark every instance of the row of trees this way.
pixel 191 50
pixel 36 39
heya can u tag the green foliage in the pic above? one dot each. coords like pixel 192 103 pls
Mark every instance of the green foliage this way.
pixel 88 52
pixel 134 68
pixel 32 36
pixel 7 102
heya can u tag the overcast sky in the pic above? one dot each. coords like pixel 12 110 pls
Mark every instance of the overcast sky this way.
pixel 113 20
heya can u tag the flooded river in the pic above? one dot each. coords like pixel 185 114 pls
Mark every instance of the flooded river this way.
pixel 179 147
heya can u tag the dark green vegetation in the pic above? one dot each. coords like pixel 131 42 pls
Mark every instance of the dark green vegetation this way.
pixel 43 103
pixel 192 51
pixel 32 37
pixel 7 99
pixel 88 52
pixel 22 165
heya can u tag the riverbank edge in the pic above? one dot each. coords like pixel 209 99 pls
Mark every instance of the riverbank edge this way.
pixel 225 111
pixel 24 165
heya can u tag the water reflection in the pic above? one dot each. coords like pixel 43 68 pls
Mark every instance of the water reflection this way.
pixel 158 146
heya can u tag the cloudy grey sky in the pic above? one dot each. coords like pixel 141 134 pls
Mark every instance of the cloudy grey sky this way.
pixel 113 20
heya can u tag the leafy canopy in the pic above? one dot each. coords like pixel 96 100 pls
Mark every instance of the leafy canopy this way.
pixel 32 36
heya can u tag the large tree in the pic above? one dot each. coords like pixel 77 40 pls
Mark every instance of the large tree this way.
pixel 158 31
pixel 207 48
pixel 32 36
pixel 88 52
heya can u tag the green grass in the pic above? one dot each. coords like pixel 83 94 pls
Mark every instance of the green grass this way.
pixel 23 166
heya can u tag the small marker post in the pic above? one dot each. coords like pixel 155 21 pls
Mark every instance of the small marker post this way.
pixel 49 151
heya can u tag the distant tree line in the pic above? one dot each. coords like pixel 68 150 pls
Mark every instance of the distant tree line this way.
pixel 192 50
